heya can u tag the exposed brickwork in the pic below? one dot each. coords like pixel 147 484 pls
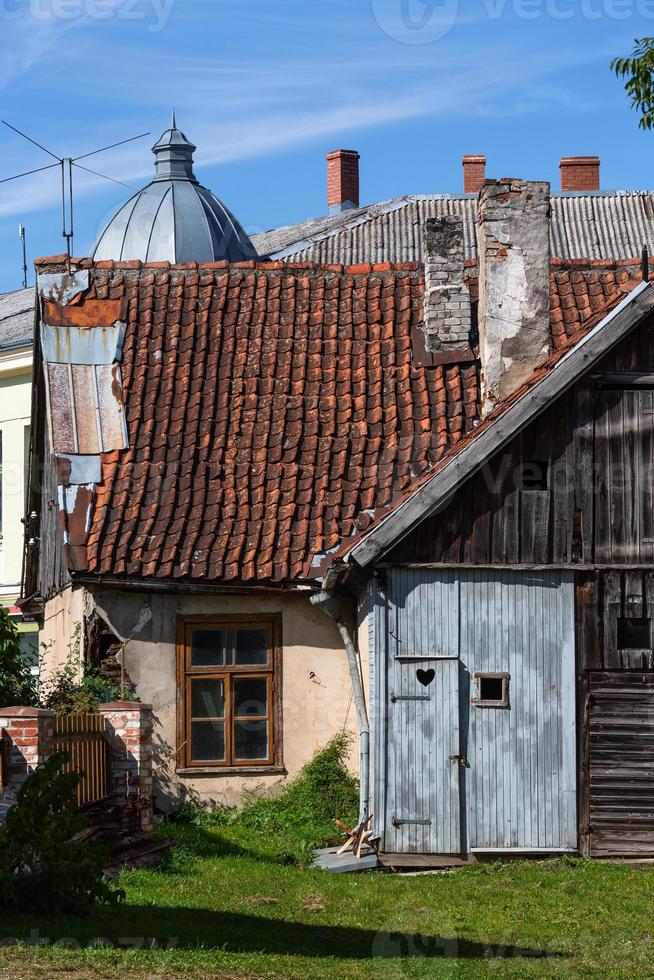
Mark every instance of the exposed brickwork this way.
pixel 447 298
pixel 129 730
pixel 342 180
pixel 474 173
pixel 28 732
pixel 580 173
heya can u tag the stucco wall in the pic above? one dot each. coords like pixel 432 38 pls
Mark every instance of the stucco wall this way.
pixel 316 686
pixel 61 636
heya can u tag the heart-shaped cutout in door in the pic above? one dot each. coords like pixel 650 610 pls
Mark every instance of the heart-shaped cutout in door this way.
pixel 425 676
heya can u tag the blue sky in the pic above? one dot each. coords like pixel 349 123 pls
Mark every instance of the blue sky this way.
pixel 266 87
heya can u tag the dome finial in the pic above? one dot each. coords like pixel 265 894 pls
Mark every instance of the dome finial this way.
pixel 173 123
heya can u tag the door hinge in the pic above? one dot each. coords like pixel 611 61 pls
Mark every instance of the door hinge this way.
pixel 461 759
pixel 416 823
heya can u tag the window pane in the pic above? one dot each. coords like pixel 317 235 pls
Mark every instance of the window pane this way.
pixel 251 647
pixel 250 697
pixel 208 698
pixel 208 648
pixel 251 740
pixel 208 741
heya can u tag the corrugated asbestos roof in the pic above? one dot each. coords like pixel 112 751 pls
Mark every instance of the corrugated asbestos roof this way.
pixel 16 318
pixel 607 225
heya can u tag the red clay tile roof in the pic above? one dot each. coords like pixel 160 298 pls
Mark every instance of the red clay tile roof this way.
pixel 269 411
pixel 274 411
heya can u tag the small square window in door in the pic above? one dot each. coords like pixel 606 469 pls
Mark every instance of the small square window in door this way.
pixel 491 690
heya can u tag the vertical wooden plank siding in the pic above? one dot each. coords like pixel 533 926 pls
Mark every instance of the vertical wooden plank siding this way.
pixel 82 738
pixel 424 613
pixel 517 788
pixel 522 761
pixel 416 726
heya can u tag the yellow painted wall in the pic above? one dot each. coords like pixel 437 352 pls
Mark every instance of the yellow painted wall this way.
pixel 15 410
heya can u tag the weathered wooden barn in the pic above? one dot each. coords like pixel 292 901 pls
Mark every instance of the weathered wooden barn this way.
pixel 512 667
pixel 452 457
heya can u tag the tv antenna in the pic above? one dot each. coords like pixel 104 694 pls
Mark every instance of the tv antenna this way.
pixel 21 235
pixel 65 166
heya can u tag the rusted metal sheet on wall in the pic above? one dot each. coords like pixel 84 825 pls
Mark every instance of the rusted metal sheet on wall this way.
pixel 86 409
pixel 82 345
pixel 451 775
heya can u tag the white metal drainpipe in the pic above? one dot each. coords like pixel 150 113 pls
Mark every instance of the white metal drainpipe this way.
pixel 359 700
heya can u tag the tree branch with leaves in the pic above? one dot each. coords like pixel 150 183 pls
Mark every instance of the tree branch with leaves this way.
pixel 638 70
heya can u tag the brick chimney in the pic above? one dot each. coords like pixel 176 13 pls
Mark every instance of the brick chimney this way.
pixel 342 180
pixel 580 174
pixel 474 173
pixel 514 273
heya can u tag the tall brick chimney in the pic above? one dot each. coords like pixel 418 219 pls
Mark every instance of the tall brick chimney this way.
pixel 514 274
pixel 580 174
pixel 474 173
pixel 342 180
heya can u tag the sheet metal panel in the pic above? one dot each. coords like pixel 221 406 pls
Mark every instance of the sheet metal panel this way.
pixel 612 225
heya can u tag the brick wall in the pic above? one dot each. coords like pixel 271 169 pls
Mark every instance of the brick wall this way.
pixel 28 732
pixel 580 174
pixel 128 728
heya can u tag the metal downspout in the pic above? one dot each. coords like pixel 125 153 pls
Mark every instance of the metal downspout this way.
pixel 322 599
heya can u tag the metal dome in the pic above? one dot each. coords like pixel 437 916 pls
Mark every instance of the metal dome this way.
pixel 174 219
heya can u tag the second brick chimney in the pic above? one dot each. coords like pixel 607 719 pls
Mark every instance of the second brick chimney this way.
pixel 580 174
pixel 342 181
pixel 474 173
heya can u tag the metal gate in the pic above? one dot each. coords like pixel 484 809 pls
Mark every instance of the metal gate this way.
pixel 474 711
pixel 89 754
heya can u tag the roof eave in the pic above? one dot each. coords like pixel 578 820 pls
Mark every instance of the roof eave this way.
pixel 438 490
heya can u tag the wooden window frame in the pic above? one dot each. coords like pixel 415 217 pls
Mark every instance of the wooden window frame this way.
pixel 484 674
pixel 272 672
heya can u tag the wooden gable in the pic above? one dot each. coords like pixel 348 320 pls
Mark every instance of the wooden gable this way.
pixel 575 487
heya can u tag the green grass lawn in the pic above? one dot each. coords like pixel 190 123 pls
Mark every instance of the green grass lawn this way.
pixel 226 904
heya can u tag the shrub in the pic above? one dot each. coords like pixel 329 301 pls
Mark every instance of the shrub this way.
pixel 17 686
pixel 305 810
pixel 41 868
pixel 77 688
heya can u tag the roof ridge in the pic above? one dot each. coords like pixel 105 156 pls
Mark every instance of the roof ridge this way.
pixel 277 265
